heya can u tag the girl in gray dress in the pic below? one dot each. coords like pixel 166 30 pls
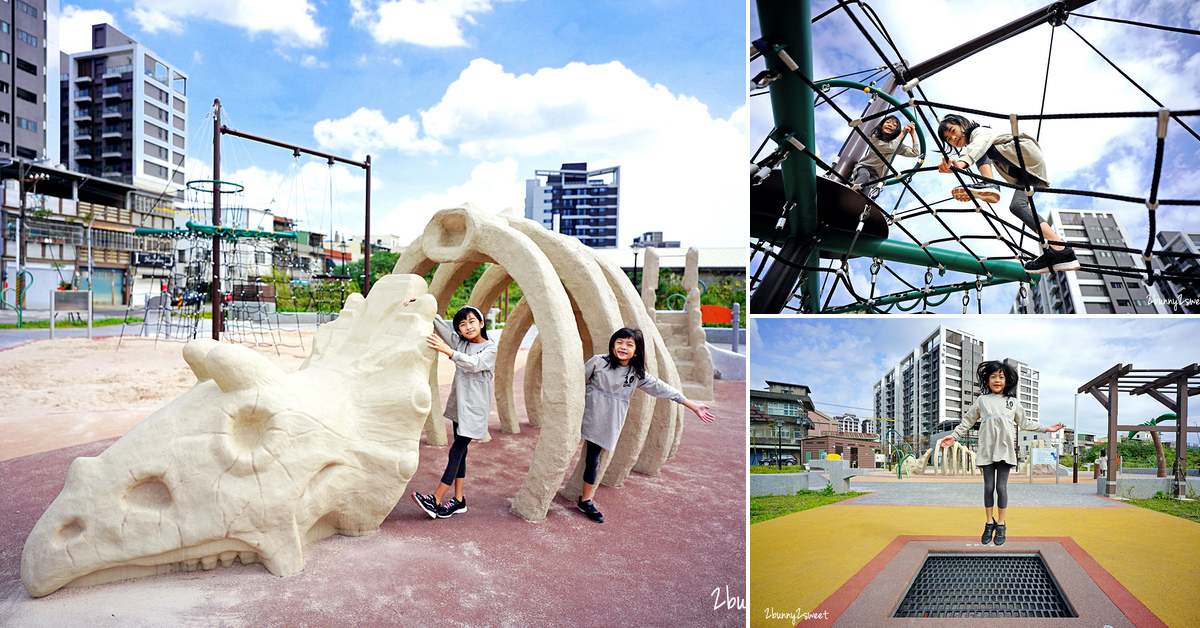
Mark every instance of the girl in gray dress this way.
pixel 982 146
pixel 888 138
pixel 1000 414
pixel 470 402
pixel 611 380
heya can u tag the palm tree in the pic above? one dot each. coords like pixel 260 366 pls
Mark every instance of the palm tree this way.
pixel 1158 448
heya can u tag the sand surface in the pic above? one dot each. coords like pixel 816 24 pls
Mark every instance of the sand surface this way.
pixel 70 391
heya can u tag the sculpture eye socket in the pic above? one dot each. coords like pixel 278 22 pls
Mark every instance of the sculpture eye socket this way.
pixel 70 530
pixel 150 493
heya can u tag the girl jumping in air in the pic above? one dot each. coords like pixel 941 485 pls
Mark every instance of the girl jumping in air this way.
pixel 999 413
pixel 470 402
pixel 982 146
pixel 888 137
pixel 611 380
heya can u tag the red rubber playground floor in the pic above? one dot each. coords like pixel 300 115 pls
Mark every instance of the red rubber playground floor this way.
pixel 672 552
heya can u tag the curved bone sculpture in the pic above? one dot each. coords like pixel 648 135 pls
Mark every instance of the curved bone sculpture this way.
pixel 252 463
pixel 916 466
pixel 955 460
pixel 577 300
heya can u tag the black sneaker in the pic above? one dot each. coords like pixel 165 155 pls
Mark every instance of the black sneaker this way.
pixel 999 534
pixel 1040 265
pixel 589 509
pixel 1063 260
pixel 427 503
pixel 451 507
pixel 986 192
pixel 987 532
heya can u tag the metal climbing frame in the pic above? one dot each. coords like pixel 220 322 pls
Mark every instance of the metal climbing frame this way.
pixel 1159 384
pixel 799 236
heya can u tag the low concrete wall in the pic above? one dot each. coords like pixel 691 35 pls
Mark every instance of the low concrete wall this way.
pixel 1144 488
pixel 1154 472
pixel 723 336
pixel 727 364
pixel 777 483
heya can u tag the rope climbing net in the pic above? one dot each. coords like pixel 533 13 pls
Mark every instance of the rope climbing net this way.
pixel 992 254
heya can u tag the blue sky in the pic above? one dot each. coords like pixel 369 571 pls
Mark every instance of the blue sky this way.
pixel 460 101
pixel 1112 155
pixel 841 358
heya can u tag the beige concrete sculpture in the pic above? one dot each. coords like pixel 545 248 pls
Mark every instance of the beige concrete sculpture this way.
pixel 577 300
pixel 683 331
pixel 916 466
pixel 252 463
pixel 955 460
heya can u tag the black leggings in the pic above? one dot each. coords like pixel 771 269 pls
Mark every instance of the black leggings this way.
pixel 995 476
pixel 1022 208
pixel 591 459
pixel 456 466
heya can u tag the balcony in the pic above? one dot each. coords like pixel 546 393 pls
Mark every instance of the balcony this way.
pixel 81 155
pixel 117 71
pixel 83 79
pixel 112 131
pixel 82 135
pixel 111 112
pixel 82 94
pixel 111 92
pixel 82 115
pixel 110 153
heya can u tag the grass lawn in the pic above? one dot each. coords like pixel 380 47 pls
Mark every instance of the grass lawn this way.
pixel 100 322
pixel 770 506
pixel 773 469
pixel 1187 510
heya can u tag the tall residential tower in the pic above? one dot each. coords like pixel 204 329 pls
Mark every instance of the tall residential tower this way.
pixel 124 113
pixel 577 202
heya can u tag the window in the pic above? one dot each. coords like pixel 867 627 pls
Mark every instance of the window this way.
pixel 25 8
pixel 27 38
pixel 1140 302
pixel 5 27
pixel 1122 303
pixel 157 112
pixel 156 132
pixel 1116 284
pixel 154 170
pixel 4 119
pixel 26 66
pixel 26 95
pixel 28 125
pixel 154 150
pixel 177 140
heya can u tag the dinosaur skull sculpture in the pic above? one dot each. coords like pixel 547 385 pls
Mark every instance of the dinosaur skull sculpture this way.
pixel 252 463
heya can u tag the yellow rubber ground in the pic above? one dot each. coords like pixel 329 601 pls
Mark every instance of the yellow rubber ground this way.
pixel 799 560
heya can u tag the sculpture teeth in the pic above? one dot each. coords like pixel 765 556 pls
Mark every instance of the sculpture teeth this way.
pixel 224 559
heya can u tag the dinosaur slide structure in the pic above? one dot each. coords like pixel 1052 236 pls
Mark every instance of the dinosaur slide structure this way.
pixel 252 463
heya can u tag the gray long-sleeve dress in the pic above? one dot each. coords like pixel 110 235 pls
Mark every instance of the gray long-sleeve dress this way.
pixel 984 138
pixel 607 399
pixel 887 148
pixel 470 400
pixel 998 418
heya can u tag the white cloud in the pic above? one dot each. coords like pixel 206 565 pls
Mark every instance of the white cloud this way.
pixel 291 22
pixel 75 27
pixel 368 131
pixel 430 23
pixel 680 166
pixel 492 187
pixel 310 61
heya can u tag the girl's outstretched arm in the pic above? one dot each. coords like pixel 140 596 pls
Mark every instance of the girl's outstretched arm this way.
pixel 700 409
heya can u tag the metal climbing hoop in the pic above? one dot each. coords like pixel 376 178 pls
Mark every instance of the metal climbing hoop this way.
pixel 903 109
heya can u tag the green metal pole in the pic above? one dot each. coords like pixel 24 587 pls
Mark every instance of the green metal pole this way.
pixel 909 253
pixel 788 25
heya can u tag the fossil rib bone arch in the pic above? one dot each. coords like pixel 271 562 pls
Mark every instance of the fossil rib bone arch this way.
pixel 578 300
